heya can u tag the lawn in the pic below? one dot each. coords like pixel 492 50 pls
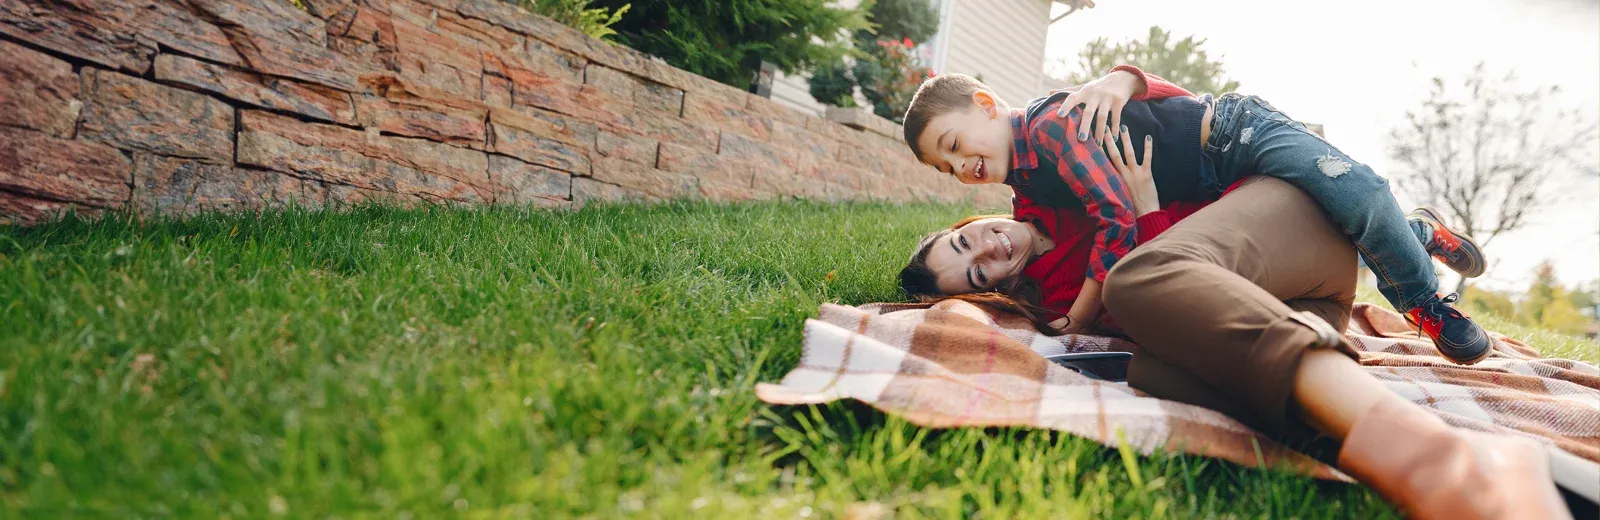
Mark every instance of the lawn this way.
pixel 510 363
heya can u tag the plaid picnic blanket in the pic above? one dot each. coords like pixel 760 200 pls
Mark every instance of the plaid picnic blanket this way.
pixel 956 364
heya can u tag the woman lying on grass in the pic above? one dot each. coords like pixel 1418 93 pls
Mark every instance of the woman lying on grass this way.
pixel 1240 308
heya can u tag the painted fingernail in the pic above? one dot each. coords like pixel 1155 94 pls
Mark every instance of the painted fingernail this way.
pixel 1083 136
pixel 1124 129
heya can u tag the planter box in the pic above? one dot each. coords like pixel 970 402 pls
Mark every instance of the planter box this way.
pixel 861 118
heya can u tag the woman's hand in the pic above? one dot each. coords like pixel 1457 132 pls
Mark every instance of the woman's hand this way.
pixel 1135 174
pixel 1102 101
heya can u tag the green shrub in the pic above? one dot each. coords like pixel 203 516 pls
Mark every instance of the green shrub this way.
pixel 831 83
pixel 595 22
pixel 889 76
pixel 726 40
pixel 902 19
pixel 885 66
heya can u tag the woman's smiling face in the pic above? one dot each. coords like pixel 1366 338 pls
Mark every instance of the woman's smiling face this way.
pixel 980 255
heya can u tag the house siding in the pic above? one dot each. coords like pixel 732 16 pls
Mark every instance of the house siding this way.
pixel 1002 40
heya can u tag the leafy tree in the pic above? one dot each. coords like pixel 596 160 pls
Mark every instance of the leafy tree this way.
pixel 726 40
pixel 903 19
pixel 1548 304
pixel 1489 154
pixel 1183 62
pixel 885 65
pixel 1585 298
pixel 1481 301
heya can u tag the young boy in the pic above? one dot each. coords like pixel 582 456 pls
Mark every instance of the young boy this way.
pixel 959 126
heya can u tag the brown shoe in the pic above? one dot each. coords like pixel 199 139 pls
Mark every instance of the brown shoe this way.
pixel 1433 471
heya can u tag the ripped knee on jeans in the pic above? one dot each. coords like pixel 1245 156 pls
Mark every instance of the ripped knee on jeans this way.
pixel 1333 166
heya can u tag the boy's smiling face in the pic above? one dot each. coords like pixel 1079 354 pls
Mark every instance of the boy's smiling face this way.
pixel 973 145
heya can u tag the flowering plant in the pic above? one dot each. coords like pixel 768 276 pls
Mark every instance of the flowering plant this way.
pixel 890 75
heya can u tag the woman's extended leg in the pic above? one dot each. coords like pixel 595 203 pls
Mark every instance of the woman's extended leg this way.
pixel 1208 297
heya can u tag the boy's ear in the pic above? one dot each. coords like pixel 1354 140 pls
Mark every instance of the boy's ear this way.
pixel 987 102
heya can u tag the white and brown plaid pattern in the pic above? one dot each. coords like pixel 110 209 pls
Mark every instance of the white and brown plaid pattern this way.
pixel 955 364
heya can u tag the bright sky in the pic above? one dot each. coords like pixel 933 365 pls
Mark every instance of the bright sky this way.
pixel 1355 66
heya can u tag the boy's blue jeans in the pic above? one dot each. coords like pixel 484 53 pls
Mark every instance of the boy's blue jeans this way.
pixel 1250 137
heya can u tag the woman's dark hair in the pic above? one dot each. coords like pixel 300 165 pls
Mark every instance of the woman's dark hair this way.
pixel 1019 295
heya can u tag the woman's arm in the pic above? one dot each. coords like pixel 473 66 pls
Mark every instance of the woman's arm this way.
pixel 1085 310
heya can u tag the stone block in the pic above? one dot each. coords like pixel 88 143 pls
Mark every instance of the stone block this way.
pixel 731 192
pixel 551 82
pixel 675 130
pixel 326 9
pixel 496 91
pixel 533 56
pixel 364 37
pixel 438 62
pixel 857 155
pixel 585 190
pixel 275 38
pixel 831 130
pixel 517 182
pixel 740 148
pixel 700 86
pixel 42 166
pixel 121 35
pixel 700 109
pixel 345 196
pixel 567 129
pixel 618 84
pixel 782 184
pixel 37 91
pixel 174 186
pixel 313 101
pixel 773 110
pixel 134 114
pixel 644 179
pixel 21 210
pixel 834 172
pixel 406 166
pixel 626 146
pixel 864 119
pixel 483 34
pixel 798 139
pixel 655 98
pixel 708 167
pixel 401 108
pixel 543 139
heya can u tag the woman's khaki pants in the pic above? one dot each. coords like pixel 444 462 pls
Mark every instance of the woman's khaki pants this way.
pixel 1225 303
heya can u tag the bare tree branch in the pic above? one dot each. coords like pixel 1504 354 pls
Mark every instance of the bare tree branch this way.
pixel 1492 155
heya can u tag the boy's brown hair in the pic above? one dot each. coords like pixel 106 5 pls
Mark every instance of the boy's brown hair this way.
pixel 940 95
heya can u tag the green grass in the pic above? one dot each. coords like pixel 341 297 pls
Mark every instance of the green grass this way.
pixel 501 363
pixel 1550 343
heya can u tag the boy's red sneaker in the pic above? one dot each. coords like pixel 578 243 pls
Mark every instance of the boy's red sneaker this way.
pixel 1456 336
pixel 1457 251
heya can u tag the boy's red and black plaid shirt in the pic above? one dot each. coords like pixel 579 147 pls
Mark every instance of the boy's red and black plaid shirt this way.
pixel 1085 169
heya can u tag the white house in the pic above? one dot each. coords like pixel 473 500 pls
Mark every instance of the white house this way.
pixel 1000 40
